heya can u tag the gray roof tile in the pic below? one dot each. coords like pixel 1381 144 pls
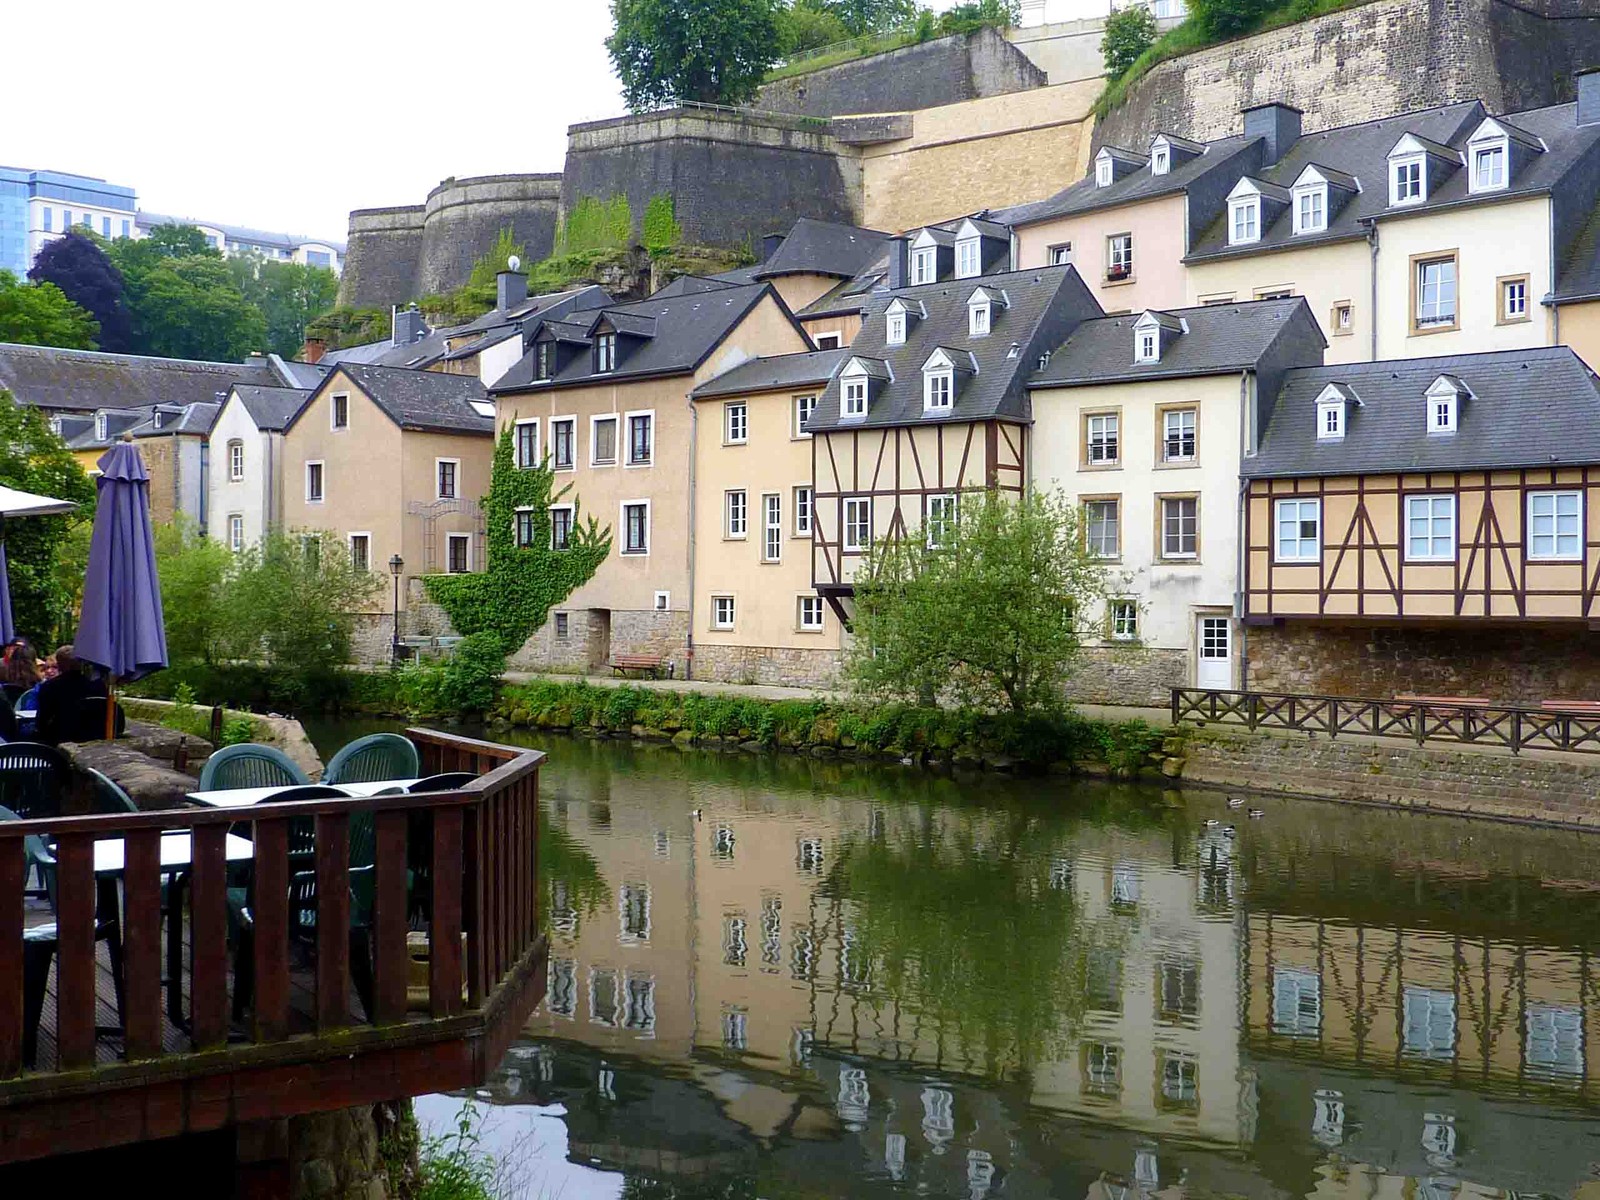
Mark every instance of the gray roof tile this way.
pixel 271 408
pixel 774 373
pixel 823 248
pixel 425 400
pixel 87 380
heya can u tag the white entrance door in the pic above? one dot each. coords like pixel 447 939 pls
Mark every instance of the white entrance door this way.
pixel 1214 666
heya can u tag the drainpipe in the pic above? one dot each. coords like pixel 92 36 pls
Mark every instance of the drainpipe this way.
pixel 1372 243
pixel 694 435
pixel 1246 446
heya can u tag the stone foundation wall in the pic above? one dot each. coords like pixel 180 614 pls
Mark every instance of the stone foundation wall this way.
pixel 773 666
pixel 583 651
pixel 648 632
pixel 1506 664
pixel 1140 675
pixel 372 640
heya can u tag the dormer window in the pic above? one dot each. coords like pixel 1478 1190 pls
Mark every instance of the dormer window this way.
pixel 853 392
pixel 925 265
pixel 544 355
pixel 938 386
pixel 895 333
pixel 1330 420
pixel 1311 208
pixel 1104 173
pixel 1160 160
pixel 1489 165
pixel 1444 399
pixel 980 314
pixel 1407 179
pixel 969 258
pixel 1244 220
pixel 1147 346
pixel 99 427
pixel 605 353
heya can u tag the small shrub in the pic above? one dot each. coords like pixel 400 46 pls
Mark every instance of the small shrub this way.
pixel 464 684
pixel 1129 33
pixel 455 1166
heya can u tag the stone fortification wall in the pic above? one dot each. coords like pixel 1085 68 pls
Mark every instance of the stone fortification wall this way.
pixel 941 71
pixel 733 176
pixel 383 256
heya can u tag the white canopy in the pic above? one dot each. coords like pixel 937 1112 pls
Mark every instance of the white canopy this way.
pixel 25 504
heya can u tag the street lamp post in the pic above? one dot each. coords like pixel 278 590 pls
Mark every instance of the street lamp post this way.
pixel 396 565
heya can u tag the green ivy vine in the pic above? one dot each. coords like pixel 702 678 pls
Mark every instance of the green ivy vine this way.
pixel 513 596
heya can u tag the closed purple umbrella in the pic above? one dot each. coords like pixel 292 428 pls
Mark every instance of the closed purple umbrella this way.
pixel 121 628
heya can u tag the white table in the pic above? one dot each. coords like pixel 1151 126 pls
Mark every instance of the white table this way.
pixel 245 797
pixel 177 852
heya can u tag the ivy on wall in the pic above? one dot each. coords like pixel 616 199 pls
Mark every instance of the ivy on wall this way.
pixel 513 596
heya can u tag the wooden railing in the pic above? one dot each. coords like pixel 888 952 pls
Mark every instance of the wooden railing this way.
pixel 1468 722
pixel 478 878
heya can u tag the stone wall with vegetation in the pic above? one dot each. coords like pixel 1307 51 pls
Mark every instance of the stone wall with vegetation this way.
pixel 1139 675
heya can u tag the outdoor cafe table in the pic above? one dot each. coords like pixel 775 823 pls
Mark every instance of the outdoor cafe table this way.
pixel 245 797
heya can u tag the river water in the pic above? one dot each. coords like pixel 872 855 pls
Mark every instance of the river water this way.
pixel 786 977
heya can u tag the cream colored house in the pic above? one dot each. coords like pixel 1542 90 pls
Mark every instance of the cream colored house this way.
pixel 755 614
pixel 246 462
pixel 605 395
pixel 1145 421
pixel 388 461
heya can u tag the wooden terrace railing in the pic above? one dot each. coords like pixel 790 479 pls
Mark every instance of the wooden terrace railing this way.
pixel 477 871
pixel 1419 720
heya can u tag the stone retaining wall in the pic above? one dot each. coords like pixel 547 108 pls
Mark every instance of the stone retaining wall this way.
pixel 773 666
pixel 1141 675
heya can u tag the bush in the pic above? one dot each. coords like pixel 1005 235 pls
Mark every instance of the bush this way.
pixel 459 686
pixel 1230 18
pixel 1129 33
pixel 456 1166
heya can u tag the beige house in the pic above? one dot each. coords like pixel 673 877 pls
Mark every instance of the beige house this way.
pixel 386 461
pixel 755 613
pixel 605 395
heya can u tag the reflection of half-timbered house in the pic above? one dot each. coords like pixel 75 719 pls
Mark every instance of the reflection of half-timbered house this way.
pixel 931 403
pixel 1429 525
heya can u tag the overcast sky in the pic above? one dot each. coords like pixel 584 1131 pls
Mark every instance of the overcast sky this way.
pixel 286 114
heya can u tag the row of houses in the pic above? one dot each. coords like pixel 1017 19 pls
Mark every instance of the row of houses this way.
pixel 1324 400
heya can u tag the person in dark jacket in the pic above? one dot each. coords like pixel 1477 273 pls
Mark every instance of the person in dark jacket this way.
pixel 61 700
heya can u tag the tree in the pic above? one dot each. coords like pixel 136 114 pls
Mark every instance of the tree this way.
pixel 192 308
pixel 978 14
pixel 709 51
pixel 80 268
pixel 859 17
pixel 179 241
pixel 1129 33
pixel 807 25
pixel 989 616
pixel 33 459
pixel 290 296
pixel 39 314
pixel 195 574
pixel 293 600
pixel 1230 18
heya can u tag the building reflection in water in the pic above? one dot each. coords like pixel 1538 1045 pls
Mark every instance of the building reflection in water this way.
pixel 1069 990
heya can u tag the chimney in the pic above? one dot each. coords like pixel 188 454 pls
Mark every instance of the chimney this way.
pixel 897 264
pixel 408 326
pixel 1589 96
pixel 1279 124
pixel 769 245
pixel 313 350
pixel 510 289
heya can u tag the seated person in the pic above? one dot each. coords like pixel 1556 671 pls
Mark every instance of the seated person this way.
pixel 61 699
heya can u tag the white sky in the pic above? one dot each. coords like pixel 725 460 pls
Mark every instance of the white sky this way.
pixel 286 114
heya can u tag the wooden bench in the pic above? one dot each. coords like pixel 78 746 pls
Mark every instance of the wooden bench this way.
pixel 1445 701
pixel 1587 708
pixel 621 664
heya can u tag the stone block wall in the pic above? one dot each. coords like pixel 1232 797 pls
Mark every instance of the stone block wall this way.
pixel 372 641
pixel 1140 675
pixel 585 650
pixel 649 632
pixel 773 666
pixel 382 256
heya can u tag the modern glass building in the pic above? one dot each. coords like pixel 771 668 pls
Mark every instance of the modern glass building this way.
pixel 36 206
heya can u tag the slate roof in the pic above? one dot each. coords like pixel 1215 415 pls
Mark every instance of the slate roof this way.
pixel 479 344
pixel 1578 273
pixel 271 408
pixel 195 420
pixel 88 380
pixel 1220 339
pixel 299 374
pixel 1528 408
pixel 431 401
pixel 774 373
pixel 824 248
pixel 685 285
pixel 1044 305
pixel 687 328
pixel 849 295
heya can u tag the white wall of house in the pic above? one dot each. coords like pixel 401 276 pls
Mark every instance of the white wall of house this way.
pixel 250 497
pixel 498 359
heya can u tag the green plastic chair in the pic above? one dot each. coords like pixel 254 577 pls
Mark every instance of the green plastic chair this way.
pixel 374 757
pixel 105 796
pixel 248 766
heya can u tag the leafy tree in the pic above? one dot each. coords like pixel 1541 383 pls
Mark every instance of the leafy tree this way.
pixel 195 574
pixel 859 17
pixel 709 51
pixel 293 602
pixel 39 314
pixel 33 459
pixel 192 308
pixel 81 269
pixel 1230 18
pixel 809 25
pixel 988 617
pixel 1129 33
pixel 977 14
pixel 178 241
pixel 290 296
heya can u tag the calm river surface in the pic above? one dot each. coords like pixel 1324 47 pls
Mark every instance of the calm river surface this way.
pixel 777 977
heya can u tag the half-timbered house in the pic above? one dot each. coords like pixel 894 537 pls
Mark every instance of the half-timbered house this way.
pixel 931 403
pixel 1428 526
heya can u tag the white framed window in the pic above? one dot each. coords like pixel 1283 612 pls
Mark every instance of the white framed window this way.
pixel 603 441
pixel 1104 173
pixel 605 353
pixel 1180 527
pixel 1514 299
pixel 563 443
pixel 925 265
pixel 1244 220
pixel 978 317
pixel 1555 526
pixel 1489 166
pixel 636 527
pixel 937 387
pixel 1442 413
pixel 1178 434
pixel 100 427
pixel 458 553
pixel 235 461
pixel 527 443
pixel 804 406
pixel 735 513
pixel 1296 1002
pixel 1124 616
pixel 969 258
pixel 1160 160
pixel 641 438
pixel 522 529
pixel 828 341
pixel 1407 179
pixel 361 552
pixel 939 520
pixel 447 476
pixel 855 396
pixel 1311 208
pixel 544 360
pixel 895 328
pixel 1430 1022
pixel 735 423
pixel 1061 255
pixel 722 612
pixel 802 511
pixel 236 532
pixel 1102 527
pixel 315 483
pixel 771 527
pixel 808 613
pixel 561 518
pixel 1435 289
pixel 663 601
pixel 1147 346
pixel 1430 528
pixel 1103 444
pixel 1119 257
pixel 339 411
pixel 1330 420
pixel 857 523
pixel 1299 530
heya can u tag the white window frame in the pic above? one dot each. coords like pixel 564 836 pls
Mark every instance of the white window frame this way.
pixel 1161 513
pixel 627 425
pixel 1330 431
pixel 894 333
pixel 438 481
pixel 555 423
pixel 980 315
pixel 1245 211
pixel 1442 411
pixel 1105 173
pixel 1123 617
pixel 517 514
pixel 1555 553
pixel 1477 151
pixel 1518 286
pixel 736 423
pixel 1119 249
pixel 933 526
pixel 350 545
pixel 1110 431
pixel 594 441
pixel 1312 196
pixel 662 602
pixel 100 427
pixel 724 611
pixel 1300 506
pixel 1167 416
pixel 848 538
pixel 925 265
pixel 772 527
pixel 236 460
pixel 1160 160
pixel 969 258
pixel 333 411
pixel 1061 255
pixel 449 540
pixel 1430 514
pixel 805 513
pixel 322 481
pixel 800 418
pixel 1421 323
pixel 805 603
pixel 605 353
pixel 830 340
pixel 516 434
pixel 571 525
pixel 853 397
pixel 1401 183
pixel 1147 344
pixel 1100 551
pixel 736 514
pixel 938 389
pixel 622 512
pixel 236 532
